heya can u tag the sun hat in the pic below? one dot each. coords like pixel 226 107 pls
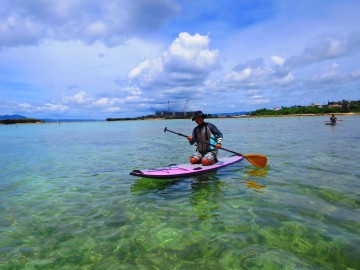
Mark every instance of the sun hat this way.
pixel 198 113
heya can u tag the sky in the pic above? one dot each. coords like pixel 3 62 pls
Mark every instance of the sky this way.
pixel 90 59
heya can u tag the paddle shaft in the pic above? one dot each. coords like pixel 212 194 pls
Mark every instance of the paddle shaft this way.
pixel 183 135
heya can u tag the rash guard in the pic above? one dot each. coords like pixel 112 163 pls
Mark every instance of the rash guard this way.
pixel 209 133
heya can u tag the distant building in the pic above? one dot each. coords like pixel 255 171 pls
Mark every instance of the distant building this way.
pixel 276 108
pixel 335 105
pixel 174 114
pixel 317 105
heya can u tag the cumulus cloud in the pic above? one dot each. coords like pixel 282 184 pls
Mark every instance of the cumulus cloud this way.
pixel 17 30
pixel 326 49
pixel 82 98
pixel 255 97
pixel 186 64
pixel 52 107
pixel 258 74
pixel 278 60
pixel 302 70
pixel 102 104
pixel 146 71
pixel 332 77
pixel 285 79
pixel 110 21
pixel 184 70
pixel 96 29
pixel 78 98
pixel 190 54
pixel 26 108
pixel 238 76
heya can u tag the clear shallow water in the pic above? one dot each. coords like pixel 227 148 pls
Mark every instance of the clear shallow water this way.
pixel 67 200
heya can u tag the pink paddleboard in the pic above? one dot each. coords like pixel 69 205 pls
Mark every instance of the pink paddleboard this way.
pixel 184 170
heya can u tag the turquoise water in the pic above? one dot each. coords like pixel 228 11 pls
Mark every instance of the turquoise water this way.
pixel 67 200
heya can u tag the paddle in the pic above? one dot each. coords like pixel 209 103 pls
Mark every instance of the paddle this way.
pixel 257 160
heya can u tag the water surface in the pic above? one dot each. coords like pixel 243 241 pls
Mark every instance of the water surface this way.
pixel 67 200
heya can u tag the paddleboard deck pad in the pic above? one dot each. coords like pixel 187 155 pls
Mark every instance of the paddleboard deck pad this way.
pixel 185 170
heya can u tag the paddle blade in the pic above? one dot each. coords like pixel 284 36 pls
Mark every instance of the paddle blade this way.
pixel 257 160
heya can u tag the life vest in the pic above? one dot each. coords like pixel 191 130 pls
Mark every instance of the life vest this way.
pixel 203 133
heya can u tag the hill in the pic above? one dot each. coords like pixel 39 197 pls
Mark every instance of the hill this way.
pixel 17 119
pixel 11 117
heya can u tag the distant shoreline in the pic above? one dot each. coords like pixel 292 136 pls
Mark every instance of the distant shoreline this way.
pixel 231 117
pixel 37 121
pixel 292 115
pixel 21 121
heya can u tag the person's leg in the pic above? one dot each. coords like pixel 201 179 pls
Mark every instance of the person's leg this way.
pixel 209 159
pixel 195 158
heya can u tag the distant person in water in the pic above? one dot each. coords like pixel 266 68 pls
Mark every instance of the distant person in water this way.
pixel 208 133
pixel 333 119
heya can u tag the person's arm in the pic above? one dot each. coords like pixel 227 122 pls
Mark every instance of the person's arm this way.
pixel 191 138
pixel 214 130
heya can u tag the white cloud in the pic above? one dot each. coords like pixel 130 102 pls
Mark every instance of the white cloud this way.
pixel 190 53
pixel 136 71
pixel 257 74
pixel 146 71
pixel 253 92
pixel 79 98
pixel 235 76
pixel 335 77
pixel 52 107
pixel 278 60
pixel 326 49
pixel 112 109
pixel 46 108
pixel 110 21
pixel 106 102
pixel 286 79
pixel 187 63
pixel 24 106
pixel 101 102
pixel 96 29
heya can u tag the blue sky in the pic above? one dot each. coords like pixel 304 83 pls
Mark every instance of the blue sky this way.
pixel 126 58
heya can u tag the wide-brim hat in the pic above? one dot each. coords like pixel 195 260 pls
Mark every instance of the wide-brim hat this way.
pixel 198 113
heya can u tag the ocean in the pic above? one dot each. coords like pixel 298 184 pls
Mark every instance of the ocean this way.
pixel 67 200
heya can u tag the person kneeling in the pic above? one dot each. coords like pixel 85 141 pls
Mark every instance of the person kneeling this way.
pixel 208 139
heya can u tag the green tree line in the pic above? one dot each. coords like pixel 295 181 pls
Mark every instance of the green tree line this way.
pixel 20 121
pixel 346 107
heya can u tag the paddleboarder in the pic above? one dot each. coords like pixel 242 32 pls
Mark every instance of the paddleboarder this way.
pixel 333 119
pixel 206 132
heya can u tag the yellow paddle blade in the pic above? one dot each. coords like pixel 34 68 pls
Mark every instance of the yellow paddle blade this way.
pixel 257 160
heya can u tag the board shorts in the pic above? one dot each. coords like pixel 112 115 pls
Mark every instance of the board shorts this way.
pixel 209 156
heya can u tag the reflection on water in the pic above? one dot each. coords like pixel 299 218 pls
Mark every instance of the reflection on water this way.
pixel 143 185
pixel 204 191
pixel 254 185
pixel 257 172
pixel 205 196
pixel 147 185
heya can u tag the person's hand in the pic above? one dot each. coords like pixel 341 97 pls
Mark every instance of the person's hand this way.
pixel 189 138
pixel 218 146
